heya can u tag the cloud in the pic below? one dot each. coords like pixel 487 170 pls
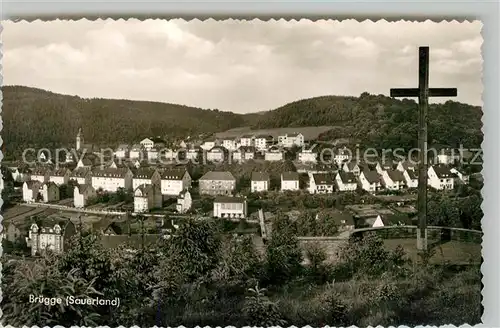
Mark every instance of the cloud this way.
pixel 242 66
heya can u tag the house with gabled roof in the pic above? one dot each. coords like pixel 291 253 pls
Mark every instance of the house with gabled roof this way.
pixel 145 176
pixel 387 220
pixel 217 183
pixel 263 141
pixel 321 183
pixel 147 197
pixel 393 179
pixel 217 154
pixel 274 153
pixel 247 140
pixel 81 175
pixel 53 235
pixel 260 181
pixel 31 188
pixel 230 207
pixel 184 202
pixel 82 193
pixel 407 165
pixel 352 166
pixel 307 156
pixel 291 140
pixel 244 153
pixel 137 152
pixel 208 144
pixel 49 192
pixel 346 181
pixel 290 181
pixel 230 143
pixel 59 176
pixel 111 179
pixel 440 177
pixel 384 165
pixel 370 181
pixel 462 176
pixel 174 181
pixel 40 174
pixel 411 178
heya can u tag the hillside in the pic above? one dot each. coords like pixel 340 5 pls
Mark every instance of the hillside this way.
pixel 380 121
pixel 39 118
pixel 42 118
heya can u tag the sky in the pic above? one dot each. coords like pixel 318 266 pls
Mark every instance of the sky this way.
pixel 239 66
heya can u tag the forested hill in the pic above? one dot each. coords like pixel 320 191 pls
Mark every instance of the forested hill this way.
pixel 35 117
pixel 38 117
pixel 380 121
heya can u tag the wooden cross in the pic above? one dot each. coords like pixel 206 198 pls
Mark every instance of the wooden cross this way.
pixel 423 92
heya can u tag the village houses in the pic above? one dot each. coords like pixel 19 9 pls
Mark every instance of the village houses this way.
pixel 384 165
pixel 173 182
pixel 145 176
pixel 217 183
pixel 230 207
pixel 20 174
pixel 136 152
pixel 448 156
pixel 341 155
pixel 230 143
pixel 31 189
pixel 208 144
pixel 59 176
pixel 81 195
pixel 307 156
pixel 353 167
pixel 393 179
pixel 440 177
pixel 320 183
pixel 370 181
pixel 291 140
pixel 184 202
pixel 462 176
pixel 147 197
pixel 406 165
pixel 290 181
pixel 260 181
pixel 244 153
pixel 111 179
pixel 194 153
pixel 150 143
pixel 247 140
pixel 217 154
pixel 346 181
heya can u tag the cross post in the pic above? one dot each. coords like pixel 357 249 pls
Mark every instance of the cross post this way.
pixel 423 92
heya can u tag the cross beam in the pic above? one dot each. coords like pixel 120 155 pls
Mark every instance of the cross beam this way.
pixel 423 92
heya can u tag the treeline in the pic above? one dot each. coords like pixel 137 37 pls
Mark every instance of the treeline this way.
pixel 379 121
pixel 202 277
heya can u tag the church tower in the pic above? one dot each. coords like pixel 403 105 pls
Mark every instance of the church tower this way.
pixel 79 139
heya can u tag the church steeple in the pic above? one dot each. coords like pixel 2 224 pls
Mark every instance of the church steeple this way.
pixel 79 139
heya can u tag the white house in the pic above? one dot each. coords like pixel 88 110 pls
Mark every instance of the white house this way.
pixel 173 182
pixel 184 202
pixel 136 152
pixel 59 176
pixel 462 176
pixel 291 140
pixel 384 165
pixel 262 141
pixel 370 181
pixel 307 156
pixel 440 177
pixel 247 140
pixel 49 237
pixel 274 154
pixel 230 143
pixel 111 179
pixel 167 154
pixel 49 192
pixel 40 174
pixel 81 176
pixel 230 207
pixel 30 190
pixel 193 153
pixel 81 195
pixel 407 165
pixel 393 179
pixel 260 181
pixel 290 181
pixel 346 181
pixel 320 183
pixel 84 162
pixel 122 151
pixel 448 156
pixel 20 174
pixel 153 153
pixel 147 143
pixel 217 154
pixel 147 197
pixel 390 220
pixel 145 176
pixel 341 156
pixel 208 144
pixel 217 183
pixel 411 178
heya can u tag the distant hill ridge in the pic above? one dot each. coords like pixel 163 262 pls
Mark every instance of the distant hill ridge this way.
pixel 35 117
